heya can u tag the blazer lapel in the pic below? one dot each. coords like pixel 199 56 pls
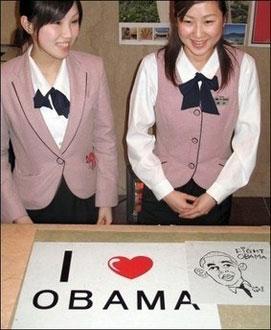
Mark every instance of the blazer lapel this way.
pixel 23 88
pixel 78 86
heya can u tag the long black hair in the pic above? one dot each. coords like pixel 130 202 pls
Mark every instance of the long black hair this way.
pixel 174 45
pixel 41 13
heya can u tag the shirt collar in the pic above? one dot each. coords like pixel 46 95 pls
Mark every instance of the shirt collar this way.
pixel 39 81
pixel 187 71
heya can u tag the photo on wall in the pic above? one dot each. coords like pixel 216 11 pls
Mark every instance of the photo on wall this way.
pixel 235 30
pixel 144 22
pixel 235 33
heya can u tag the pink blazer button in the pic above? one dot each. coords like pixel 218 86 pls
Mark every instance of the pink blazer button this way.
pixel 60 161
pixel 191 166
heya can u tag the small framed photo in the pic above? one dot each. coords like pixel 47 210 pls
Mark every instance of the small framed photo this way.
pixel 144 22
pixel 143 33
pixel 235 33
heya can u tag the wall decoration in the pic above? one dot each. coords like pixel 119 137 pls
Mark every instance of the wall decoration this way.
pixel 236 27
pixel 144 22
pixel 259 33
pixel 235 33
pixel 238 11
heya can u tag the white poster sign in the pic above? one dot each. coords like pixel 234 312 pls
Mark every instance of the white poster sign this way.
pixel 110 286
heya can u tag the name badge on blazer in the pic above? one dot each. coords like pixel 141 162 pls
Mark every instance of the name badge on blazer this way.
pixel 91 160
pixel 221 100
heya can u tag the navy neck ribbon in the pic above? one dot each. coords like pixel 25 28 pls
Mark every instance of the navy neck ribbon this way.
pixel 193 96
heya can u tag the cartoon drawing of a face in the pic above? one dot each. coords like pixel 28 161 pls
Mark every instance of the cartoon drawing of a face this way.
pixel 221 267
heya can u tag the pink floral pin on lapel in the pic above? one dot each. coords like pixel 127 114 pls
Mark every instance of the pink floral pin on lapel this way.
pixel 91 160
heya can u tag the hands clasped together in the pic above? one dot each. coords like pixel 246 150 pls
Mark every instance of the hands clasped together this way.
pixel 188 206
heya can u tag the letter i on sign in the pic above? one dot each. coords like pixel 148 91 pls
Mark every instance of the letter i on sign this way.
pixel 64 277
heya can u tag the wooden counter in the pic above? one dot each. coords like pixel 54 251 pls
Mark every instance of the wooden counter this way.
pixel 17 240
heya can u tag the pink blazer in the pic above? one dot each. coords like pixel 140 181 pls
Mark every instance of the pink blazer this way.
pixel 40 164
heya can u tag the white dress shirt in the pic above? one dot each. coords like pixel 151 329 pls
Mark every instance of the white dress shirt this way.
pixel 238 168
pixel 56 124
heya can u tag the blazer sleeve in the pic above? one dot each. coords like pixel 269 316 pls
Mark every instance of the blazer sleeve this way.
pixel 11 205
pixel 105 147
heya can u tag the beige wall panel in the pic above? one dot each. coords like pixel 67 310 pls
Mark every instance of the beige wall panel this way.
pixel 8 21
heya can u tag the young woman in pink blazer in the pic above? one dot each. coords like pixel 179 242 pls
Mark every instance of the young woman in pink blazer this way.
pixel 203 97
pixel 55 110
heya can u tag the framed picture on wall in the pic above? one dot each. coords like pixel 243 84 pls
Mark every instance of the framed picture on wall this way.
pixel 144 22
pixel 235 33
pixel 259 34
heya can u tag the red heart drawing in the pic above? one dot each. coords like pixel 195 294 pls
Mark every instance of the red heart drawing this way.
pixel 130 268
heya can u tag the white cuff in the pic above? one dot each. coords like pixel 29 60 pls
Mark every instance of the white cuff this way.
pixel 162 189
pixel 217 193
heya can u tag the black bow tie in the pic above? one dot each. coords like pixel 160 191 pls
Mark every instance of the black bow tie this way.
pixel 193 96
pixel 60 101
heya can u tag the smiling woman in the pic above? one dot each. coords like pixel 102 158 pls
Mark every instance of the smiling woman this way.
pixel 51 42
pixel 204 149
pixel 200 30
pixel 63 138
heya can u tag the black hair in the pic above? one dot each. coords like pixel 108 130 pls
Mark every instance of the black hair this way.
pixel 41 13
pixel 174 45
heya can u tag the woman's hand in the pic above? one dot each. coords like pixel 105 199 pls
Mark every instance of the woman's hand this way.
pixel 201 206
pixel 22 220
pixel 179 202
pixel 105 216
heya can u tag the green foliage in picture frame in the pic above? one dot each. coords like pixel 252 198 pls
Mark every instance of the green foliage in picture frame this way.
pixel 138 11
pixel 238 11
